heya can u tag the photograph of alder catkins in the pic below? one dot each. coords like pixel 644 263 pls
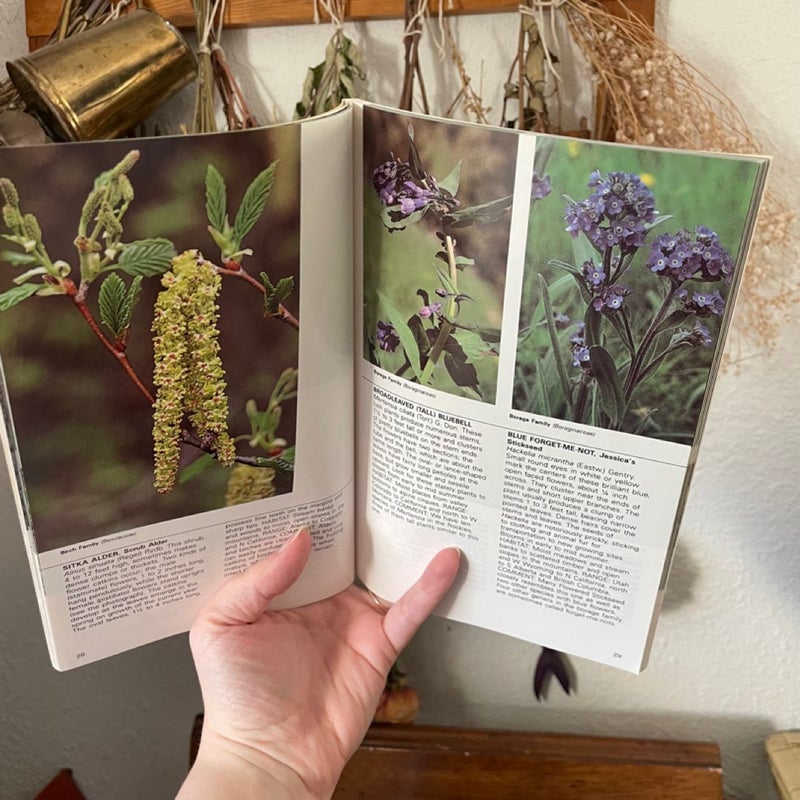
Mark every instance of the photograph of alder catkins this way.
pixel 149 326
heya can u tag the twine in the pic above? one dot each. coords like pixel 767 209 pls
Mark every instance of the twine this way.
pixel 116 9
pixel 334 9
pixel 423 15
pixel 208 37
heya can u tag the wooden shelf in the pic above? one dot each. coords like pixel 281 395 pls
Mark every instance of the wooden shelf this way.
pixel 41 15
pixel 459 764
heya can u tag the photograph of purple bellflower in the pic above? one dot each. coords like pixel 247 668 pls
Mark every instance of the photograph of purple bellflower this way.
pixel 435 251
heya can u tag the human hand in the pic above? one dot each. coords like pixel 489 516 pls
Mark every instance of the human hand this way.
pixel 289 694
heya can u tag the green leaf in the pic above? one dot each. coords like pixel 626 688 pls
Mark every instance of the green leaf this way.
pixel 17 295
pixel 473 345
pixel 577 275
pixel 483 213
pixel 393 218
pixel 196 467
pixel 277 294
pixel 216 197
pixel 253 203
pixel 544 395
pixel 414 161
pixel 583 250
pixel 554 343
pixel 659 220
pixel 444 277
pixel 145 257
pixel 451 181
pixel 19 259
pixel 676 318
pixel 110 302
pixel 132 297
pixel 418 330
pixel 591 326
pixel 612 399
pixel 283 465
pixel 458 367
pixel 31 273
pixel 226 246
pixel 116 303
pixel 617 319
pixel 407 338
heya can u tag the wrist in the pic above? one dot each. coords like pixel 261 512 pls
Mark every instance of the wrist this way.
pixel 227 769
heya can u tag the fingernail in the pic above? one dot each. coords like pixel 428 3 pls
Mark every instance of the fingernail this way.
pixel 286 545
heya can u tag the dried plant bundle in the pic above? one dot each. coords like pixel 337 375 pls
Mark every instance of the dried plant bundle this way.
pixel 215 75
pixel 335 78
pixel 467 96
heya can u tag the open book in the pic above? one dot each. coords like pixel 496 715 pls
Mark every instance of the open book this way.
pixel 404 332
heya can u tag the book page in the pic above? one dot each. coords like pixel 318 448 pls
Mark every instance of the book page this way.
pixel 542 320
pixel 197 410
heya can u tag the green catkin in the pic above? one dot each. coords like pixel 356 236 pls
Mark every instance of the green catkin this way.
pixel 12 218
pixel 9 192
pixel 188 372
pixel 31 227
pixel 248 483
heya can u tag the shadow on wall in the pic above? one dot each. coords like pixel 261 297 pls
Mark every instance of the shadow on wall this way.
pixel 683 576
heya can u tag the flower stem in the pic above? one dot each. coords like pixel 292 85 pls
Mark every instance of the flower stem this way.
pixel 445 327
pixel 633 377
pixel 119 354
pixel 284 315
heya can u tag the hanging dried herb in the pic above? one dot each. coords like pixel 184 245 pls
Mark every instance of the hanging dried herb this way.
pixel 333 80
pixel 214 74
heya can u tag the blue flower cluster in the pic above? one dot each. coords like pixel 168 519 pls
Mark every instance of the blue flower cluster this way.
pixel 684 255
pixel 616 214
pixel 699 336
pixel 609 298
pixel 540 186
pixel 604 294
pixel 397 185
pixel 580 352
pixel 702 303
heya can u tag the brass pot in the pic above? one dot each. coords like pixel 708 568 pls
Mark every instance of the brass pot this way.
pixel 102 82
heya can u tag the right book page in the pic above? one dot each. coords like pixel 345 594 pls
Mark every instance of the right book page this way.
pixel 541 322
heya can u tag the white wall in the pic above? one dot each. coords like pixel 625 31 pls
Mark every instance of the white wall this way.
pixel 724 665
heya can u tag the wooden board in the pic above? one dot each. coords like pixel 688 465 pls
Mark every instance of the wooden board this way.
pixel 425 763
pixel 41 15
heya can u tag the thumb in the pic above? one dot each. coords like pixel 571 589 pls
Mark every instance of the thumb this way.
pixel 246 596
pixel 405 617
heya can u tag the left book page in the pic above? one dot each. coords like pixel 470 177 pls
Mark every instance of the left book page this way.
pixel 176 342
